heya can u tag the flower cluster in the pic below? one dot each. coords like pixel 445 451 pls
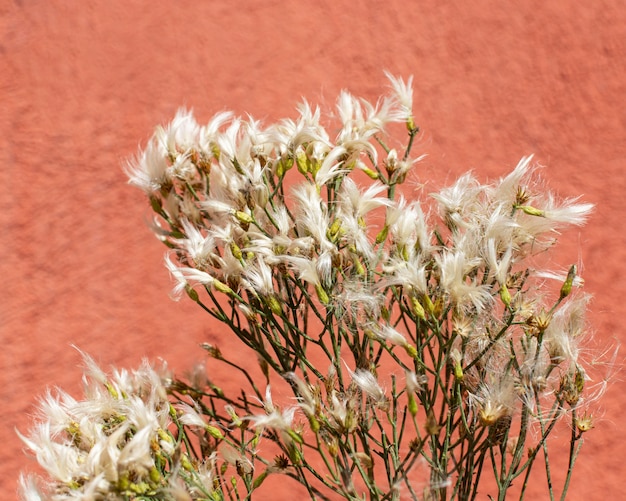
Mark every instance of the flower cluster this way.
pixel 119 442
pixel 420 336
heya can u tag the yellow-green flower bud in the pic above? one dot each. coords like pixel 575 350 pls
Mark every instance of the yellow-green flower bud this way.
pixel 295 436
pixel 404 252
pixel 295 456
pixel 112 391
pixel 284 164
pixel 314 166
pixel 410 125
pixel 382 235
pixel 255 440
pixel 222 287
pixel 372 174
pixel 218 391
pixel 417 308
pixel 579 380
pixel 505 295
pixel 322 294
pixel 531 211
pixel 385 313
pixel 333 231
pixel 165 436
pixel 244 217
pixel 274 305
pixel 358 267
pixel 410 350
pixel 155 475
pixel 123 484
pixel 369 333
pixel 259 480
pixel 458 371
pixel 314 423
pixel 430 307
pixel 413 407
pixel 237 422
pixel 185 463
pixel 172 412
pixel 237 166
pixel 333 447
pixel 301 162
pixel 566 289
pixel 438 306
pixel 214 432
pixel 236 250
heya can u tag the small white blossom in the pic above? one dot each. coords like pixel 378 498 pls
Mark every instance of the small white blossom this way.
pixel 463 291
pixel 186 276
pixel 368 384
pixel 273 418
pixel 403 93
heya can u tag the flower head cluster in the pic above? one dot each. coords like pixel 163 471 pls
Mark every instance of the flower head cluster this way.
pixel 116 443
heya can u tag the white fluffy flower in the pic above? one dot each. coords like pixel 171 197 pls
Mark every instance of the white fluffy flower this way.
pixel 86 446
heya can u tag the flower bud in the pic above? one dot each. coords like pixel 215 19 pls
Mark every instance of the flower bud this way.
pixel 566 289
pixel 295 436
pixel 244 217
pixel 314 423
pixel 413 407
pixel 382 235
pixel 333 230
pixel 155 475
pixel 236 250
pixel 222 287
pixel 295 455
pixel 458 371
pixel 531 211
pixel 237 422
pixel 284 164
pixel 430 306
pixel 418 309
pixel 358 267
pixel 372 174
pixel 322 294
pixel 193 295
pixel 185 463
pixel 333 447
pixel 274 305
pixel 259 480
pixel 410 125
pixel 432 426
pixel 156 205
pixel 302 161
pixel 505 295
pixel 410 350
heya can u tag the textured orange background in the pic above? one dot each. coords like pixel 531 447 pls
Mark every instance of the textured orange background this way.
pixel 82 84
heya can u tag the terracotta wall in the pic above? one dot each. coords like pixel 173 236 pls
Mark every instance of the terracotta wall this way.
pixel 82 84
